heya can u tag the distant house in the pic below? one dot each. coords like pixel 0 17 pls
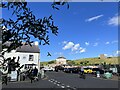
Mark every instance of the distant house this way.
pixel 29 55
pixel 51 65
pixel 61 61
pixel 102 56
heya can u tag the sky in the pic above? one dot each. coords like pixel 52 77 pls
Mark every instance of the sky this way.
pixel 86 29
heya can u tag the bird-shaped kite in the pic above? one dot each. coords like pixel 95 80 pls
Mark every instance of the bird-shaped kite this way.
pixel 48 54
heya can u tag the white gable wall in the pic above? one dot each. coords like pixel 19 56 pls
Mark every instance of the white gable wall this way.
pixel 60 61
pixel 24 58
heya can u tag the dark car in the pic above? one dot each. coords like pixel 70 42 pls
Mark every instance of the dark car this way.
pixel 75 70
pixel 97 69
pixel 67 70
pixel 59 68
pixel 71 70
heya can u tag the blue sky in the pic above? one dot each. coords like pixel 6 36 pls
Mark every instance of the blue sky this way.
pixel 85 29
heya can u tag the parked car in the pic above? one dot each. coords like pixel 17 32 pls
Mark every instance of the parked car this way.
pixel 49 69
pixel 75 70
pixel 94 70
pixel 67 70
pixel 71 70
pixel 87 70
pixel 59 68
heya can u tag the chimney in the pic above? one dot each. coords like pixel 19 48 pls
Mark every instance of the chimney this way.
pixel 36 43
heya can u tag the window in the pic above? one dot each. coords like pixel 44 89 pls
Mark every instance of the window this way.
pixel 24 57
pixel 30 57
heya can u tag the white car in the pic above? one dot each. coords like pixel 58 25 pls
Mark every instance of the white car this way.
pixel 49 69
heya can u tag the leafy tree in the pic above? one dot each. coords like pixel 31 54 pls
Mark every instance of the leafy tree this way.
pixel 68 60
pixel 81 63
pixel 26 25
pixel 12 64
pixel 71 63
pixel 105 65
pixel 87 62
pixel 51 62
pixel 84 63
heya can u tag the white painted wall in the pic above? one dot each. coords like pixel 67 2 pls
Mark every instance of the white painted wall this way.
pixel 61 61
pixel 24 58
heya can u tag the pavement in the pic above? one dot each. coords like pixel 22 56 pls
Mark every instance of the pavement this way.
pixel 65 80
pixel 42 83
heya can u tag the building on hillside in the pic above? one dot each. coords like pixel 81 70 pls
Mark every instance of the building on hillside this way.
pixel 102 56
pixel 61 61
pixel 51 65
pixel 29 55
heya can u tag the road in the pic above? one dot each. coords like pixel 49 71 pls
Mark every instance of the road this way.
pixel 65 80
pixel 73 80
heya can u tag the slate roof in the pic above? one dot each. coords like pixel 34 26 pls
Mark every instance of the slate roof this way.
pixel 26 48
pixel 29 49
pixel 61 57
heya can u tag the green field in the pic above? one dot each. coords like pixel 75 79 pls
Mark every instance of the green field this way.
pixel 110 60
pixel 113 60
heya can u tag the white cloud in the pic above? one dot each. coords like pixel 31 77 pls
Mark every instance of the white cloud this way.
pixel 114 20
pixel 58 53
pixel 75 47
pixel 94 18
pixel 68 45
pixel 118 53
pixel 87 43
pixel 95 44
pixel 82 50
pixel 107 43
pixel 77 52
pixel 64 42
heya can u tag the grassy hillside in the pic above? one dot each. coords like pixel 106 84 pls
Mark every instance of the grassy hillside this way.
pixel 112 60
pixel 49 62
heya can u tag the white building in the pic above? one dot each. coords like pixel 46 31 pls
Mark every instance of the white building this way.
pixel 29 55
pixel 61 60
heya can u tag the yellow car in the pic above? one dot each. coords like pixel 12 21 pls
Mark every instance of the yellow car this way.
pixel 88 70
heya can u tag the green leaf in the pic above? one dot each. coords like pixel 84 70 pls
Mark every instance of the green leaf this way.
pixel 68 6
pixel 63 3
pixel 57 8
pixel 58 3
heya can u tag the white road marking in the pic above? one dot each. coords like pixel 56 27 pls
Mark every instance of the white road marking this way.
pixel 54 83
pixel 67 86
pixel 52 79
pixel 62 86
pixel 58 84
pixel 74 88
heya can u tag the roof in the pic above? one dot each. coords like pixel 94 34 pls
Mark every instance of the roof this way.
pixel 28 48
pixel 61 57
